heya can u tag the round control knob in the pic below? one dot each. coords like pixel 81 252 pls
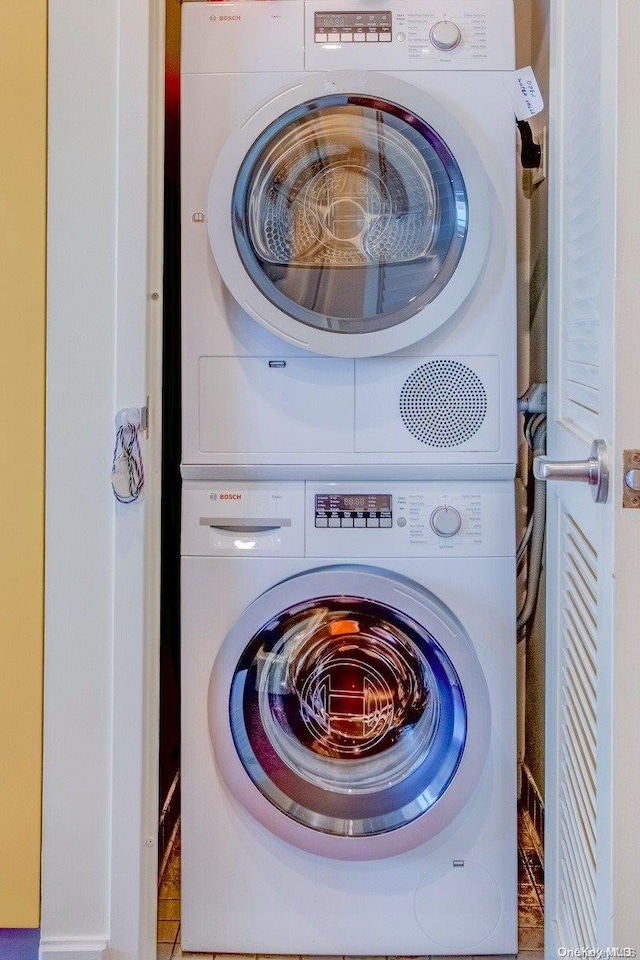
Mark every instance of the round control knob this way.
pixel 445 35
pixel 445 521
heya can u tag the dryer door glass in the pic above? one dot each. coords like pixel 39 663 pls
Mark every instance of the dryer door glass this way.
pixel 350 213
pixel 348 716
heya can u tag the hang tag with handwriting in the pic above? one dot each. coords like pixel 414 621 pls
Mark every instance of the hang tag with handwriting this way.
pixel 525 93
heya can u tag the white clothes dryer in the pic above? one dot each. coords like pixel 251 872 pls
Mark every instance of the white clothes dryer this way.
pixel 348 718
pixel 348 239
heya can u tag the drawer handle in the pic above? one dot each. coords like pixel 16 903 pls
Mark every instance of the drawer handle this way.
pixel 245 524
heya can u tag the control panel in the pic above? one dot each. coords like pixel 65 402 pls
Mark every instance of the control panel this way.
pixel 241 36
pixel 355 510
pixel 442 517
pixel 410 519
pixel 431 34
pixel 428 514
pixel 352 27
pixel 351 519
pixel 410 34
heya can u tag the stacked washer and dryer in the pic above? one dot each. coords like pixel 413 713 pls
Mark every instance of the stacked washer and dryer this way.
pixel 349 447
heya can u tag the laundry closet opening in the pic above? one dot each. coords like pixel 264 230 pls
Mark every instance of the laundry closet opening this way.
pixel 169 760
pixel 318 266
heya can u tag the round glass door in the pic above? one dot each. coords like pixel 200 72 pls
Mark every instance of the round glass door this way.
pixel 347 715
pixel 350 213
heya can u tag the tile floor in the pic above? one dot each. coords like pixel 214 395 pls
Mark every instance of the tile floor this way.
pixel 530 908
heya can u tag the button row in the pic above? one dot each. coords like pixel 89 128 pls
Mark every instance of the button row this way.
pixel 352 37
pixel 354 522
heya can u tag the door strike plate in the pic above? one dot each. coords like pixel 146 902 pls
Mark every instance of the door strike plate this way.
pixel 631 479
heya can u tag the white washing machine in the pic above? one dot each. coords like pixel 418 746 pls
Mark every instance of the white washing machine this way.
pixel 348 239
pixel 348 718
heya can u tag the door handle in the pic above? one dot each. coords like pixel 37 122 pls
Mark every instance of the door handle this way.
pixel 594 471
pixel 245 524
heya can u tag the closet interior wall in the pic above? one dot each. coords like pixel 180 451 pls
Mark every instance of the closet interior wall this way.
pixel 169 794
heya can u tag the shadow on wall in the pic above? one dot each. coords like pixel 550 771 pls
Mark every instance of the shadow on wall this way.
pixel 19 944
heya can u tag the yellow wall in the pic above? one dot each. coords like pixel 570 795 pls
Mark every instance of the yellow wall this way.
pixel 23 41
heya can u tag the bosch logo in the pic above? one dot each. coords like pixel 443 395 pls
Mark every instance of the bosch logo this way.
pixel 231 496
pixel 226 17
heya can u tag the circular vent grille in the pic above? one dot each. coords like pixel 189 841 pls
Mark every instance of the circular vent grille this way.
pixel 443 403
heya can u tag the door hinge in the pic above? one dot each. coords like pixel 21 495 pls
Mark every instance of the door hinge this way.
pixel 144 419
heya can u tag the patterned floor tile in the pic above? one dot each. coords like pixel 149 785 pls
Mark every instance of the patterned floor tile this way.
pixel 168 909
pixel 168 931
pixel 530 938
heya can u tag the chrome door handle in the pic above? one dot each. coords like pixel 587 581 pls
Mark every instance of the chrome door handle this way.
pixel 245 524
pixel 594 471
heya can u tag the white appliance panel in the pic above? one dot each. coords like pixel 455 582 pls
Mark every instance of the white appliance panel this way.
pixel 438 404
pixel 215 326
pixel 242 37
pixel 295 405
pixel 236 519
pixel 273 897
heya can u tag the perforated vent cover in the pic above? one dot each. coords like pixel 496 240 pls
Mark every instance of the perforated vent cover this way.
pixel 443 403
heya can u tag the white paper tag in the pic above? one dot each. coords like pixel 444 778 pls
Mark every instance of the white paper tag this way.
pixel 525 93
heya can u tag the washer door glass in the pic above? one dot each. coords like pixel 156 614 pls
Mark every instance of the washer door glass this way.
pixel 348 716
pixel 350 213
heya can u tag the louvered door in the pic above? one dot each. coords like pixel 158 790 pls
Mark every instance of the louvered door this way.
pixel 577 878
pixel 579 533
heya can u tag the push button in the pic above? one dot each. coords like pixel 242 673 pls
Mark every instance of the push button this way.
pixel 334 521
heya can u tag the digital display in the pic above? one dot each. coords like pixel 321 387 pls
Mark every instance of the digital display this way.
pixel 353 24
pixel 372 503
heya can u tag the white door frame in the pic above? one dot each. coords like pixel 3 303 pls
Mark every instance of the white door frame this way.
pixel 106 125
pixel 625 853
pixel 104 331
